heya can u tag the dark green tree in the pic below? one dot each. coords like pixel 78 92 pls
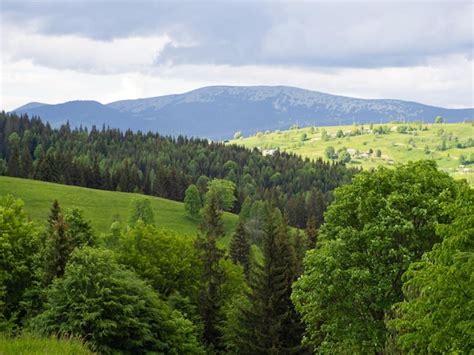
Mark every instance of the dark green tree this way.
pixel 213 276
pixel 268 324
pixel 14 168
pixel 239 248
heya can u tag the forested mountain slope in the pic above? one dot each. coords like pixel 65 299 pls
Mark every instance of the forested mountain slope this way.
pixel 153 164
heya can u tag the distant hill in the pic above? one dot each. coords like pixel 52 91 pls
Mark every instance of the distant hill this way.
pixel 217 112
pixel 100 207
pixel 444 143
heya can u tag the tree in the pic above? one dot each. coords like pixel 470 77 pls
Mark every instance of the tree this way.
pixel 58 245
pixel 311 231
pixel 239 248
pixel 330 153
pixel 267 321
pixel 166 260
pixel 374 229
pixel 79 230
pixel 439 119
pixel 436 315
pixel 192 201
pixel 225 190
pixel 109 306
pixel 238 135
pixel 19 245
pixel 14 168
pixel 140 209
pixel 344 156
pixel 213 275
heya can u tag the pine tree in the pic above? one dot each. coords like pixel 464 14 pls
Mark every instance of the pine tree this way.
pixel 311 231
pixel 192 201
pixel 212 273
pixel 58 245
pixel 270 325
pixel 26 163
pixel 240 247
pixel 14 160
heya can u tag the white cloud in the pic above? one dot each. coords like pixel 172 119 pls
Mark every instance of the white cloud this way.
pixel 81 53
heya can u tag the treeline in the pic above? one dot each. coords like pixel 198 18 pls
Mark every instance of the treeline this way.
pixel 164 166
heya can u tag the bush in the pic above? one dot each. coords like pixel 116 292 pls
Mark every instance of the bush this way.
pixel 113 309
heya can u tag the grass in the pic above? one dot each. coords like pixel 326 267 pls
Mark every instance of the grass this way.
pixel 100 207
pixel 35 346
pixel 396 147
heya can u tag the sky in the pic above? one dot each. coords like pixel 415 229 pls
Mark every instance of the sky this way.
pixel 59 50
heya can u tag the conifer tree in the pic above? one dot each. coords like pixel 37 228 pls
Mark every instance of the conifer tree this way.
pixel 311 231
pixel 58 245
pixel 270 325
pixel 14 160
pixel 212 273
pixel 240 247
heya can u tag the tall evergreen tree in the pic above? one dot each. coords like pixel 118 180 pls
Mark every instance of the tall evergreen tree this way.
pixel 269 325
pixel 212 273
pixel 311 231
pixel 58 246
pixel 14 159
pixel 240 247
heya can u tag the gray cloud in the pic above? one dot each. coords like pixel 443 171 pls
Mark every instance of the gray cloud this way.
pixel 354 34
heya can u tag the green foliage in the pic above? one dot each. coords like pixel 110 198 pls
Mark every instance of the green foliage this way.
pixel 238 135
pixel 437 314
pixel 166 260
pixel 192 201
pixel 112 309
pixel 19 244
pixel 374 229
pixel 344 156
pixel 141 210
pixel 439 119
pixel 331 153
pixel 225 190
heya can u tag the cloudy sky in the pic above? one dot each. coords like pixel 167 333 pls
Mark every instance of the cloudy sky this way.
pixel 55 51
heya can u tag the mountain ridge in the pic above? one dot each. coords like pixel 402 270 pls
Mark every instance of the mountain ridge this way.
pixel 218 111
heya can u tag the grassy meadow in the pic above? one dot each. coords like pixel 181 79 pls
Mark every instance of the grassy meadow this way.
pixel 401 143
pixel 100 207
pixel 41 346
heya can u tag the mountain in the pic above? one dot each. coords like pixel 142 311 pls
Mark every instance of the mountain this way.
pixel 218 111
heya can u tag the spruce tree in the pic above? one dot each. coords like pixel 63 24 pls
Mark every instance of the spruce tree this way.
pixel 270 325
pixel 212 273
pixel 311 231
pixel 240 247
pixel 58 247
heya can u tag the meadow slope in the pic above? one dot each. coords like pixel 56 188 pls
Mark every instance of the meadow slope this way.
pixel 100 207
pixel 397 145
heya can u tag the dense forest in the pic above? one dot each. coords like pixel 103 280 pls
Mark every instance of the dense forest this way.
pixel 165 166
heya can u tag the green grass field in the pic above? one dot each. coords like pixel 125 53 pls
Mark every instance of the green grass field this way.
pixel 28 345
pixel 100 207
pixel 396 147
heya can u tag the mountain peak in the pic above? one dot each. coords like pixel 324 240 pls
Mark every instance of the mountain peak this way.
pixel 218 111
